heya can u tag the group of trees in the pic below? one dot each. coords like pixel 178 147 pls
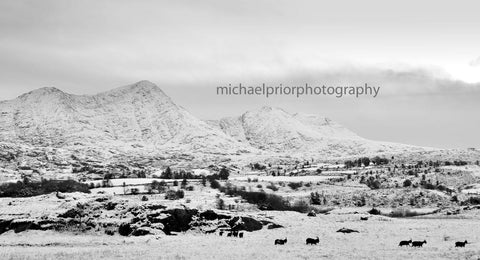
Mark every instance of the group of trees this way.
pixel 169 174
pixel 27 188
pixel 365 161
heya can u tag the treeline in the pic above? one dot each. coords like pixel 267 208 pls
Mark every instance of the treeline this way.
pixel 27 188
pixel 169 174
pixel 365 161
pixel 377 160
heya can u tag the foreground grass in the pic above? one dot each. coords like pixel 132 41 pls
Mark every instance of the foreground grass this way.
pixel 378 239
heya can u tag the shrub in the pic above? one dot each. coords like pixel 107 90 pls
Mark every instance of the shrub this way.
pixel 220 204
pixel 214 184
pixel 295 185
pixel 407 183
pixel 315 198
pixel 223 174
pixel 125 229
pixel 190 188
pixel 174 195
pixel 428 186
pixel 472 201
pixel 374 211
pixel 144 198
pixel 272 187
pixel 373 183
pixel 259 186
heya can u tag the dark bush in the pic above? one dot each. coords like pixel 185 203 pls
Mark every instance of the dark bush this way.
pixel 315 198
pixel 295 185
pixel 214 184
pixel 407 183
pixel 125 229
pixel 374 211
pixel 272 187
pixel 174 195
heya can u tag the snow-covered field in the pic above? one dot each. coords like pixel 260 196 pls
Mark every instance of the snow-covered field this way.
pixel 269 178
pixel 378 239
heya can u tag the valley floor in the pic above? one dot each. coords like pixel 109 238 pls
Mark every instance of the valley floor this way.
pixel 378 239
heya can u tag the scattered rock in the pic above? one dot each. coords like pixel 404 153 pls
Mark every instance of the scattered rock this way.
pixel 347 230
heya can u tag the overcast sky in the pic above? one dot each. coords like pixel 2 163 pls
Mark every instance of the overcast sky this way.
pixel 424 54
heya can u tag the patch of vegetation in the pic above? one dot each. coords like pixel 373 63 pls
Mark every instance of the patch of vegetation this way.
pixel 295 185
pixel 374 211
pixel 27 188
pixel 264 201
pixel 174 195
pixel 472 201
pixel 272 187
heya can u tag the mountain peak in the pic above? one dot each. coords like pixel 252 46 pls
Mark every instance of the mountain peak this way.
pixel 143 87
pixel 43 92
pixel 145 84
pixel 268 109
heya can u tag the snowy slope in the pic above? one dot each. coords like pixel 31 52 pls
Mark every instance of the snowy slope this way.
pixel 276 130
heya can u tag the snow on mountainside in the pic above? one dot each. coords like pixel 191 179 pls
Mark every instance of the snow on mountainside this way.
pixel 276 130
pixel 141 119
pixel 138 115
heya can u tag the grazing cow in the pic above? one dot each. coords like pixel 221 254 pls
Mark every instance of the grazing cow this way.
pixel 312 241
pixel 235 233
pixel 221 233
pixel 363 218
pixel 419 243
pixel 280 241
pixel 405 243
pixel 240 235
pixel 229 234
pixel 461 244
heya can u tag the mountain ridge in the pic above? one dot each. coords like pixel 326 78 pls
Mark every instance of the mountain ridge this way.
pixel 141 116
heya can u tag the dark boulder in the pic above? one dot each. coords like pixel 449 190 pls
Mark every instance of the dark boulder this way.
pixel 20 225
pixel 4 225
pixel 178 220
pixel 274 226
pixel 212 215
pixel 245 223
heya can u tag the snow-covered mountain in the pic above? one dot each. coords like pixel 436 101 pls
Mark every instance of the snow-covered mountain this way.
pixel 276 130
pixel 141 118
pixel 129 117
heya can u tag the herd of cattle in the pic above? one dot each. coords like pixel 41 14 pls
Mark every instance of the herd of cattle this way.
pixel 314 241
